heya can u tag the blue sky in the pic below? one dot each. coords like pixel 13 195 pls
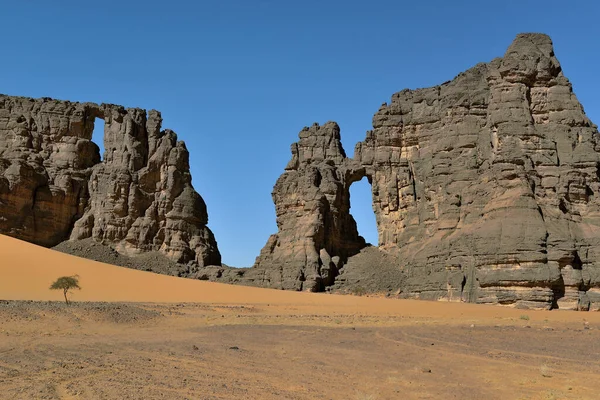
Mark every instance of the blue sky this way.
pixel 238 79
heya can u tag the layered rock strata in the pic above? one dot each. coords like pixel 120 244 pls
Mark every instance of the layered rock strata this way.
pixel 485 188
pixel 55 187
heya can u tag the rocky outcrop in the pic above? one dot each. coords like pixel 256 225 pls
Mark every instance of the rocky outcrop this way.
pixel 55 187
pixel 488 184
pixel 316 233
pixel 486 189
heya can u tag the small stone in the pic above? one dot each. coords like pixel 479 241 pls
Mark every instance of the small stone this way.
pixel 547 328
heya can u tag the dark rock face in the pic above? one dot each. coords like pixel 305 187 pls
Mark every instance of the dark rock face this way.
pixel 148 261
pixel 485 188
pixel 54 187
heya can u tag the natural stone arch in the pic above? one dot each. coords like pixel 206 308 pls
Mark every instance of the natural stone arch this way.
pixel 98 135
pixel 484 185
pixel 361 209
pixel 53 186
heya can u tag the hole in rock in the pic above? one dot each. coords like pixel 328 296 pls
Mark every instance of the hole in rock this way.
pixel 577 264
pixel 361 208
pixel 562 206
pixel 98 136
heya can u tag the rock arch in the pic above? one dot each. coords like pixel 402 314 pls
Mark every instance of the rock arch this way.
pixel 53 186
pixel 485 185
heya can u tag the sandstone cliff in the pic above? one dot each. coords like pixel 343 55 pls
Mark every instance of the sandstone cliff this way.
pixel 486 189
pixel 316 234
pixel 139 198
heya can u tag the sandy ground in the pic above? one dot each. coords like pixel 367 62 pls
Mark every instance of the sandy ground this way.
pixel 138 335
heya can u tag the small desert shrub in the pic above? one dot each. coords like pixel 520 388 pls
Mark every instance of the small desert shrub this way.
pixel 66 283
pixel 524 317
pixel 359 291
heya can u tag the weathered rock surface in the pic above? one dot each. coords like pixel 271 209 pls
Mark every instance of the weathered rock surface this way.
pixel 372 271
pixel 486 189
pixel 139 198
pixel 312 202
pixel 153 261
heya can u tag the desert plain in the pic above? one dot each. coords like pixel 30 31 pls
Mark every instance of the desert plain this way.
pixel 137 335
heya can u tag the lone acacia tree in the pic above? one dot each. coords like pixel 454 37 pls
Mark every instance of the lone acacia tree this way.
pixel 66 283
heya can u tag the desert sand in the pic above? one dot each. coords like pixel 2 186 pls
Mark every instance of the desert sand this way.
pixel 137 335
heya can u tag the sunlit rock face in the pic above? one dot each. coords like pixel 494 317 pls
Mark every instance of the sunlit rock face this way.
pixel 54 186
pixel 485 188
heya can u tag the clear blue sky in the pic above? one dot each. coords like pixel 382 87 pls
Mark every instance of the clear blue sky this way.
pixel 237 80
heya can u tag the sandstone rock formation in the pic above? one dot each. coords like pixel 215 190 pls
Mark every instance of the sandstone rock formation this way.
pixel 316 231
pixel 485 188
pixel 54 186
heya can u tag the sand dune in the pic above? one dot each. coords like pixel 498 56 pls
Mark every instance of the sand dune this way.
pixel 26 272
pixel 144 343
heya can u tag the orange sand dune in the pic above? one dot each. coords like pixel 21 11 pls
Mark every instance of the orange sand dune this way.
pixel 26 272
